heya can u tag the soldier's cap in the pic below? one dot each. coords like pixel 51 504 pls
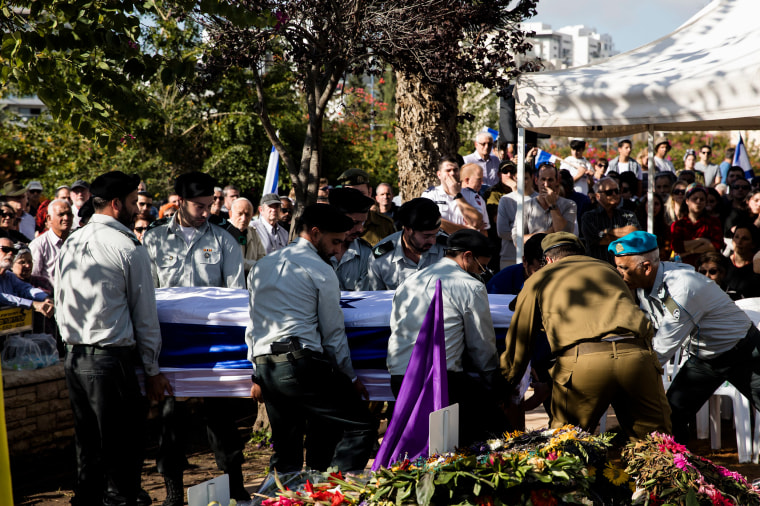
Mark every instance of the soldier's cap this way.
pixel 34 185
pixel 350 200
pixel 326 218
pixel 420 214
pixel 13 189
pixel 635 243
pixel 270 199
pixel 352 177
pixel 469 240
pixel 508 167
pixel 557 239
pixel 114 185
pixel 80 184
pixel 194 184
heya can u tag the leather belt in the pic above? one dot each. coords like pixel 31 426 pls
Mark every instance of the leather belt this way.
pixel 286 357
pixel 86 349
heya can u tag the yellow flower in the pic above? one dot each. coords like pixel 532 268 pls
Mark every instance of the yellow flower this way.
pixel 591 471
pixel 615 475
pixel 538 463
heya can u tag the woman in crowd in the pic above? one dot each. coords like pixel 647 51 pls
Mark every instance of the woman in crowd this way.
pixel 142 222
pixel 696 232
pixel 661 228
pixel 714 205
pixel 674 203
pixel 714 266
pixel 753 206
pixel 9 224
pixel 741 280
pixel 22 268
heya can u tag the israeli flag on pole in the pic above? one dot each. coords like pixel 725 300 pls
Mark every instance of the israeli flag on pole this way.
pixel 273 172
pixel 545 157
pixel 741 159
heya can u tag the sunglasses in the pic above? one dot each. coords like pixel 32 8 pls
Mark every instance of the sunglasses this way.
pixel 610 193
pixel 8 249
pixel 706 152
pixel 7 215
pixel 712 271
pixel 601 165
pixel 218 198
pixel 741 187
pixel 140 229
pixel 679 192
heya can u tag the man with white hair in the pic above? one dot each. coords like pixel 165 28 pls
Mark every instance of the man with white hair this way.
pixel 271 233
pixel 239 225
pixel 483 157
pixel 46 247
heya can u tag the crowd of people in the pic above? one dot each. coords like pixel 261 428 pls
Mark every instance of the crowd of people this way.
pixel 88 260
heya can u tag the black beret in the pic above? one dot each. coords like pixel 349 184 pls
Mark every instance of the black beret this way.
pixel 350 200
pixel 469 240
pixel 194 184
pixel 420 214
pixel 326 218
pixel 353 177
pixel 114 185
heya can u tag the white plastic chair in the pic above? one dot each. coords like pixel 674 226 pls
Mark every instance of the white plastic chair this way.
pixel 742 422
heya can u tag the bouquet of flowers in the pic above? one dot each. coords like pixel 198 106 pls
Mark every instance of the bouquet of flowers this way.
pixel 665 473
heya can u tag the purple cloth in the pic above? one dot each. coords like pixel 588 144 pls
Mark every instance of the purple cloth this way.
pixel 425 389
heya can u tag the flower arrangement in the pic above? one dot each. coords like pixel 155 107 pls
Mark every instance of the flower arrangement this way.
pixel 665 472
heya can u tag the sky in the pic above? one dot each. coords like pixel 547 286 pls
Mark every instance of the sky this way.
pixel 631 24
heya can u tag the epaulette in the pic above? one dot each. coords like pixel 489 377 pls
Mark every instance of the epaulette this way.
pixel 383 248
pixel 132 237
pixel 158 223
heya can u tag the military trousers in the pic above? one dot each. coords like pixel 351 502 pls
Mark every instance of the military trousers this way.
pixel 697 379
pixel 590 377
pixel 303 389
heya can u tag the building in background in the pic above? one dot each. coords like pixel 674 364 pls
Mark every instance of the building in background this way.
pixel 569 46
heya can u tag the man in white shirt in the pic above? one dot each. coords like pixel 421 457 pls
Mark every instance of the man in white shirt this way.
pixel 624 162
pixel 271 233
pixel 46 247
pixel 483 158
pixel 578 166
pixel 456 213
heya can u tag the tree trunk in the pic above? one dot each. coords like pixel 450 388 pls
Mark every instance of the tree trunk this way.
pixel 426 129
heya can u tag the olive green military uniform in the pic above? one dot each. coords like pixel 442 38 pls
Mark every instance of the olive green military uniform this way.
pixel 603 345
pixel 377 227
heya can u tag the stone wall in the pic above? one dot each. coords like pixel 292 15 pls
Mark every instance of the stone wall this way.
pixel 37 410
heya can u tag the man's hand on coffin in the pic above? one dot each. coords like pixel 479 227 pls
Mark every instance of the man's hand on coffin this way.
pixel 361 389
pixel 256 393
pixel 156 386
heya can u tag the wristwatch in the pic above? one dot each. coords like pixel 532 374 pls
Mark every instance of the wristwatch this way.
pixel 552 207
pixel 458 196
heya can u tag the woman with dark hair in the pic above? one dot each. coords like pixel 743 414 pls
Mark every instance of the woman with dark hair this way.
pixel 714 266
pixel 696 232
pixel 753 206
pixel 660 227
pixel 741 280
pixel 714 204
pixel 9 224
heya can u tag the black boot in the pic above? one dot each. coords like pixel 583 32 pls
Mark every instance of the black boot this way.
pixel 237 489
pixel 175 490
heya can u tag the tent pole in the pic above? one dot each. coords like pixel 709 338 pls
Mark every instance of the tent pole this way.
pixel 650 181
pixel 519 218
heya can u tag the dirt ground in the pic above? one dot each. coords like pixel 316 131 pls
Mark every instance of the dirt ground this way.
pixel 49 480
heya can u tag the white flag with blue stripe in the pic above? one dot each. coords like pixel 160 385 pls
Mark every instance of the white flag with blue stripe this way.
pixel 741 159
pixel 545 157
pixel 273 172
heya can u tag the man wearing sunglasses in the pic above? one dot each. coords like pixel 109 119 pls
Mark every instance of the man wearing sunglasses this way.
pixel 710 171
pixel 607 222
pixel 468 328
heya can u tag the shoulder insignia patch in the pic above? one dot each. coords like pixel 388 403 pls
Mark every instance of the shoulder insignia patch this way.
pixel 158 223
pixel 382 248
pixel 131 237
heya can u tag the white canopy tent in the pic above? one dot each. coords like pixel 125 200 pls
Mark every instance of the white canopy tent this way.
pixel 703 76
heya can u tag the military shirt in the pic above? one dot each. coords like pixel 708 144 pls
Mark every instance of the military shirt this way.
pixel 575 299
pixel 353 267
pixel 295 293
pixel 104 294
pixel 377 227
pixel 389 266
pixel 213 257
pixel 684 304
pixel 467 322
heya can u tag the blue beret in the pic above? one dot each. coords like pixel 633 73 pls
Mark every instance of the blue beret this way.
pixel 634 243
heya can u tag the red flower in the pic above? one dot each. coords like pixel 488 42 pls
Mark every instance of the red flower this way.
pixel 542 498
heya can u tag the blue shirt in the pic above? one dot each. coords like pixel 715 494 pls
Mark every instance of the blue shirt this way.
pixel 509 280
pixel 17 293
